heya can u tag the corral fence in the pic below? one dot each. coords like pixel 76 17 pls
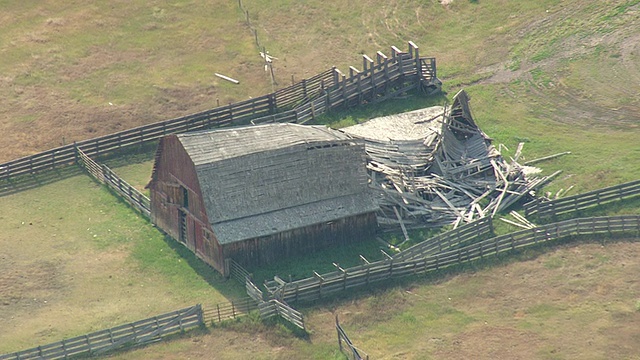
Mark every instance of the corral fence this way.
pixel 236 271
pixel 319 286
pixel 460 236
pixel 106 176
pixel 276 307
pixel 348 348
pixel 253 291
pixel 553 208
pixel 230 310
pixel 267 308
pixel 138 333
pixel 380 79
pixel 125 336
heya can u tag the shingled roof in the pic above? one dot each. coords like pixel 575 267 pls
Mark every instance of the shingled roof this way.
pixel 260 180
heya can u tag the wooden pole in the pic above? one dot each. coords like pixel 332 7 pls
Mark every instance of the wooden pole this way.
pixel 227 78
pixel 338 330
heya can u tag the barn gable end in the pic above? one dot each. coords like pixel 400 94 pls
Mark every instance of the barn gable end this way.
pixel 268 191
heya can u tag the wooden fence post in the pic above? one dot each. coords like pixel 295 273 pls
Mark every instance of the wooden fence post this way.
pixel 304 88
pixel 75 152
pixel 227 268
pixel 273 108
pixel 320 285
pixel 338 331
pixel 359 85
pixel 200 314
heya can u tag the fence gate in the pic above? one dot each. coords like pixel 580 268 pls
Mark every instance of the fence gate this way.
pixel 275 307
pixel 290 314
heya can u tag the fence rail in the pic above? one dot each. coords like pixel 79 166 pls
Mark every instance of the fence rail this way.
pixel 236 271
pixel 276 307
pixel 351 351
pixel 299 103
pixel 231 310
pixel 462 235
pixel 553 208
pixel 320 286
pixel 103 174
pixel 253 291
pixel 132 334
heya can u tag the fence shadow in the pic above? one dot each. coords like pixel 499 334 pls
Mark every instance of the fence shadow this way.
pixel 35 180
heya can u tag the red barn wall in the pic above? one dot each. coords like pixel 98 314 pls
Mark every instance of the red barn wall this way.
pixel 174 171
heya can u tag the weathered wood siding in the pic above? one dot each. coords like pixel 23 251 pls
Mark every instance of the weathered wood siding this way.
pixel 174 171
pixel 268 249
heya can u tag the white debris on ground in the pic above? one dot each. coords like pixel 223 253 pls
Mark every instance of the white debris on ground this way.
pixel 434 167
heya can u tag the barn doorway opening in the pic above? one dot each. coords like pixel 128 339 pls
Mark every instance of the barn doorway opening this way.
pixel 182 221
pixel 185 197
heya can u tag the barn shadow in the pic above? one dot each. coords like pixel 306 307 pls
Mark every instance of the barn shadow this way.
pixel 229 288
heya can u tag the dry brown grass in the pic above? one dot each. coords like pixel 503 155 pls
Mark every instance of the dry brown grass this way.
pixel 75 72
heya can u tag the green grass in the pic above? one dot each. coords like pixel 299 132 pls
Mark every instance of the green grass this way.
pixel 301 267
pixel 575 94
pixel 96 256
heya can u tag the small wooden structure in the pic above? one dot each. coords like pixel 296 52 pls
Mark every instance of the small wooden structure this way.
pixel 261 193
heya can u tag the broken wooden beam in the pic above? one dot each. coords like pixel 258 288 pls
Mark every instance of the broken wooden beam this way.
pixel 547 158
pixel 227 78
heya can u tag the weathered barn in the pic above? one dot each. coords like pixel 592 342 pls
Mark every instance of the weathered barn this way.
pixel 261 193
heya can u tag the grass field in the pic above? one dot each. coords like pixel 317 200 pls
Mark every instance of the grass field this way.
pixel 557 75
pixel 75 259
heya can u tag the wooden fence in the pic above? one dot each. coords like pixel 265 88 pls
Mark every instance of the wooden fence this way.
pixel 553 208
pixel 301 102
pixel 103 174
pixel 253 291
pixel 276 307
pixel 462 235
pixel 132 334
pixel 236 271
pixel 349 349
pixel 324 285
pixel 228 311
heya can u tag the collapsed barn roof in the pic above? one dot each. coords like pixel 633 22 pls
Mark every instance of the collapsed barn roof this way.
pixel 261 180
pixel 449 173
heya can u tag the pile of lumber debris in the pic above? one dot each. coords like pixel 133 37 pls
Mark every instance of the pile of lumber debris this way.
pixel 449 173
